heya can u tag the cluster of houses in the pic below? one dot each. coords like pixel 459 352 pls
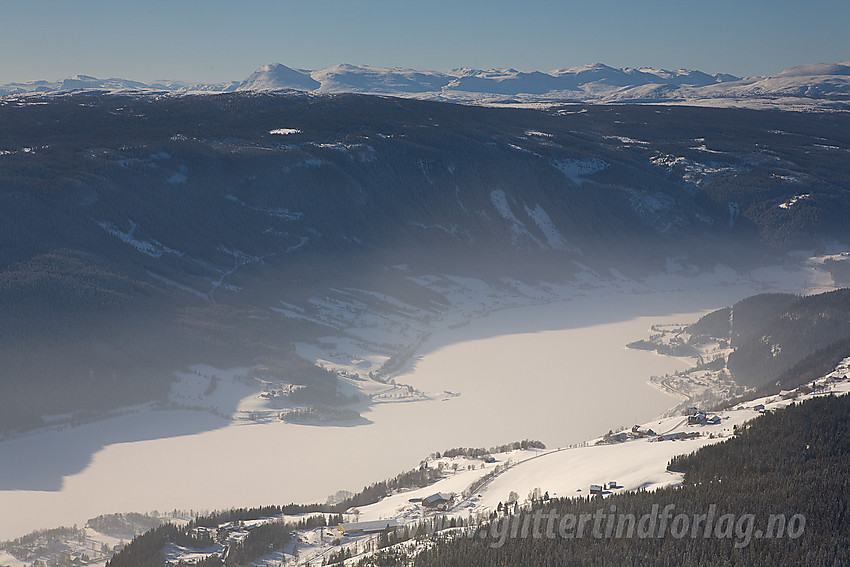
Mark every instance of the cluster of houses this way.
pixel 622 436
pixel 699 417
pixel 758 407
pixel 601 488
pixel 637 432
pixel 695 417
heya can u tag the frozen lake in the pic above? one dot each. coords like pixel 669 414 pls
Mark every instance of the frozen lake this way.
pixel 559 373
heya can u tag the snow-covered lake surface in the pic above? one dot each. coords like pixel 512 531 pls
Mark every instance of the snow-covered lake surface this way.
pixel 559 373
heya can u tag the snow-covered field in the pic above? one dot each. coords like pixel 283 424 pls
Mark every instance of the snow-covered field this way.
pixel 638 460
pixel 558 372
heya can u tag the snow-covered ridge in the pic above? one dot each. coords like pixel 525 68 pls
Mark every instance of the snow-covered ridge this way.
pixel 814 86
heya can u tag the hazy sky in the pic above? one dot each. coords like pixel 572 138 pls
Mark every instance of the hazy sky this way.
pixel 219 40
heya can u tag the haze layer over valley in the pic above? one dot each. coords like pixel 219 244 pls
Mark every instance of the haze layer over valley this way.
pixel 148 234
pixel 558 372
pixel 255 275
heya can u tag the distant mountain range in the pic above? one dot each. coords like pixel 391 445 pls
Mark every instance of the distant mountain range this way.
pixel 818 86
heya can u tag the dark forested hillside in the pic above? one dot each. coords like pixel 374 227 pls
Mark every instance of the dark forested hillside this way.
pixel 791 463
pixel 780 340
pixel 139 234
pixel 805 326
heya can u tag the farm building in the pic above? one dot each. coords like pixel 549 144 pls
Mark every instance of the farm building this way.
pixel 437 500
pixel 375 526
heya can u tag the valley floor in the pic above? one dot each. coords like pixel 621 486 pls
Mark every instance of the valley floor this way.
pixel 233 454
pixel 478 487
pixel 637 461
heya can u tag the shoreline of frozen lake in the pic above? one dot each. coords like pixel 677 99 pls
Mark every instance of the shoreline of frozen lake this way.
pixel 549 365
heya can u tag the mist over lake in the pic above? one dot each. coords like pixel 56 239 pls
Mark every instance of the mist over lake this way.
pixel 559 373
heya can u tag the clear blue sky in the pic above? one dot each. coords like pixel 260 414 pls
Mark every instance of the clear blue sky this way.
pixel 219 40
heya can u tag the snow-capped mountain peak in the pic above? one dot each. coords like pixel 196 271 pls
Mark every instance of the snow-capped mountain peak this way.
pixel 278 76
pixel 813 86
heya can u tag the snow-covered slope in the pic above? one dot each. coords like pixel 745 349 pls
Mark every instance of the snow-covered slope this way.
pixel 818 86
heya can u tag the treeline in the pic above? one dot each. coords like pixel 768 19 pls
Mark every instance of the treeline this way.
pixel 123 525
pixel 22 548
pixel 477 453
pixel 387 554
pixel 794 463
pixel 260 541
pixel 318 414
pixel 215 519
pixel 423 476
pixel 415 478
pixel 146 550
